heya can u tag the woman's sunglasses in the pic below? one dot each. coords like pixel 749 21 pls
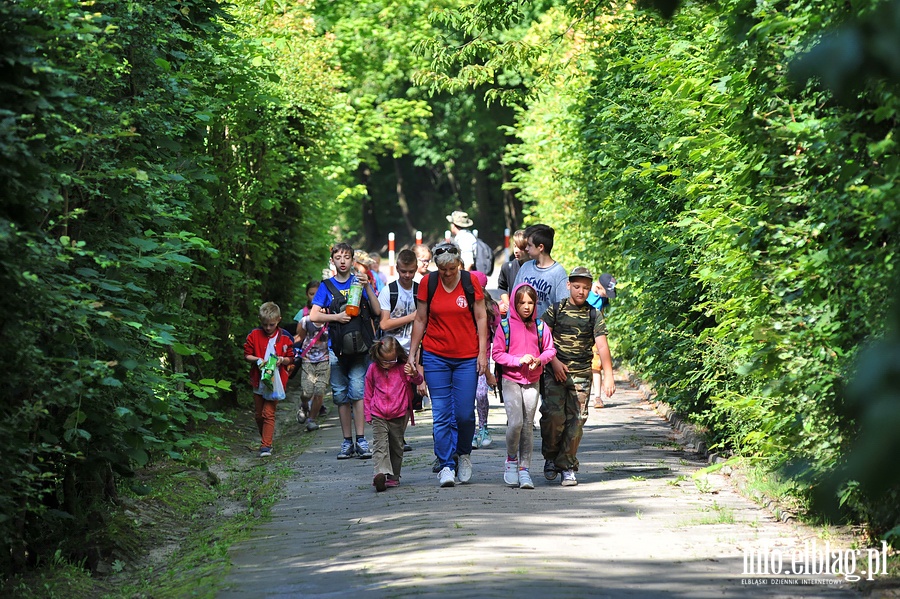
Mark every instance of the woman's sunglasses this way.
pixel 448 249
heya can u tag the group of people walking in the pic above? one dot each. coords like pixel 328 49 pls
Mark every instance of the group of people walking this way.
pixel 436 334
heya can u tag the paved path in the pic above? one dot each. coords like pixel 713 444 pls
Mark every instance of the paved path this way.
pixel 638 524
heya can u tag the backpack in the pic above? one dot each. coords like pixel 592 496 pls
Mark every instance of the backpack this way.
pixel 593 317
pixel 299 352
pixel 484 257
pixel 355 337
pixel 504 324
pixel 394 288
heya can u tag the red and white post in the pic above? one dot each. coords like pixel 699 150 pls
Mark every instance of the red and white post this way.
pixel 392 258
pixel 506 244
pixel 418 238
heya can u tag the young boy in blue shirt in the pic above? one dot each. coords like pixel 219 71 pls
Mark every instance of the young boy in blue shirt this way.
pixel 348 371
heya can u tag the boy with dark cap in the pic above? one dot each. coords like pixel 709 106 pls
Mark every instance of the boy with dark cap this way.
pixel 577 327
pixel 602 291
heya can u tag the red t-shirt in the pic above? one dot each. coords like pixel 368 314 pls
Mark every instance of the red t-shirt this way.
pixel 451 331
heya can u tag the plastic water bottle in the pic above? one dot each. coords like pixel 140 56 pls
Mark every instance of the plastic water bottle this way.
pixel 354 296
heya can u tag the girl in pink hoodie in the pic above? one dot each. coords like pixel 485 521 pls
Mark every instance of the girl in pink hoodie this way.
pixel 522 348
pixel 387 404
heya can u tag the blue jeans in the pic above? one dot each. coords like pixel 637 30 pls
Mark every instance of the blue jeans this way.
pixel 348 378
pixel 451 383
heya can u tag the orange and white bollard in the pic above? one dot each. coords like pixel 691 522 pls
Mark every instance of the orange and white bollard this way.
pixel 506 244
pixel 418 238
pixel 392 258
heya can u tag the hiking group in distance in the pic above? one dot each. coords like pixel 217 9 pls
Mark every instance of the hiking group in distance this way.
pixel 385 348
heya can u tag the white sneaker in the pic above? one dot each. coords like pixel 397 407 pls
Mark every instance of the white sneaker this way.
pixel 510 472
pixel 447 477
pixel 486 439
pixel 465 468
pixel 568 478
pixel 525 481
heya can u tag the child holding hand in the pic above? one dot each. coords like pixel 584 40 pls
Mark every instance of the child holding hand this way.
pixel 388 407
pixel 522 346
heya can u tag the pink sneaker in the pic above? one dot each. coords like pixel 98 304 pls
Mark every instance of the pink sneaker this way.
pixel 392 482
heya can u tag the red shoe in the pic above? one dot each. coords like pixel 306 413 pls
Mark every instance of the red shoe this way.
pixel 392 482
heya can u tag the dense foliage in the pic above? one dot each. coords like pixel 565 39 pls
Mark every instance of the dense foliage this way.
pixel 752 222
pixel 164 168
pixel 424 151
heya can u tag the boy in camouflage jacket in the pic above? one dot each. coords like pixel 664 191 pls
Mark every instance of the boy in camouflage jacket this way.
pixel 577 327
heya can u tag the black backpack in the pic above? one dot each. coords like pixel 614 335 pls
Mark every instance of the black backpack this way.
pixel 394 289
pixel 355 337
pixel 593 317
pixel 484 257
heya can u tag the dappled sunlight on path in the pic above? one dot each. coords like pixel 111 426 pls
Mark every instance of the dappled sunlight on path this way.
pixel 637 524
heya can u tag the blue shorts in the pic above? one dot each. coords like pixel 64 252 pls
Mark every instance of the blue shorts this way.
pixel 348 378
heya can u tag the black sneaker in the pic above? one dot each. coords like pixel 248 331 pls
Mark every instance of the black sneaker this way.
pixel 550 470
pixel 406 446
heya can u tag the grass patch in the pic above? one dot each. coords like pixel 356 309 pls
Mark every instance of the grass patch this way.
pixel 182 520
pixel 714 514
pixel 767 487
pixel 672 444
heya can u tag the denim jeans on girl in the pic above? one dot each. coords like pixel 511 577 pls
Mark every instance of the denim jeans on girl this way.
pixel 451 384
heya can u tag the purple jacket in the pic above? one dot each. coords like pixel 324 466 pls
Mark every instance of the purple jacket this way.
pixel 522 340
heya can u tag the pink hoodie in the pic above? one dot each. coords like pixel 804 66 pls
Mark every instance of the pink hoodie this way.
pixel 388 393
pixel 522 340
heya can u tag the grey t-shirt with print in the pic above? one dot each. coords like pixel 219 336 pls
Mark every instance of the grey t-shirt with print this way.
pixel 551 283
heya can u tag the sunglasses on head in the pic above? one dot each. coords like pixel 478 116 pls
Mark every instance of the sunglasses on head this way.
pixel 447 249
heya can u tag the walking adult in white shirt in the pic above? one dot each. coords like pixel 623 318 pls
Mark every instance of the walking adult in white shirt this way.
pixel 460 223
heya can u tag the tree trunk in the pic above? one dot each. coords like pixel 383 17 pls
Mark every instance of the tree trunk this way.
pixel 512 208
pixel 371 234
pixel 401 199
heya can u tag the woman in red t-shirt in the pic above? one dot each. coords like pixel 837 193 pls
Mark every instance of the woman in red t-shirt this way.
pixel 454 353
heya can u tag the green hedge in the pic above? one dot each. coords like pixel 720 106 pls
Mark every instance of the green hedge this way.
pixel 155 162
pixel 753 225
